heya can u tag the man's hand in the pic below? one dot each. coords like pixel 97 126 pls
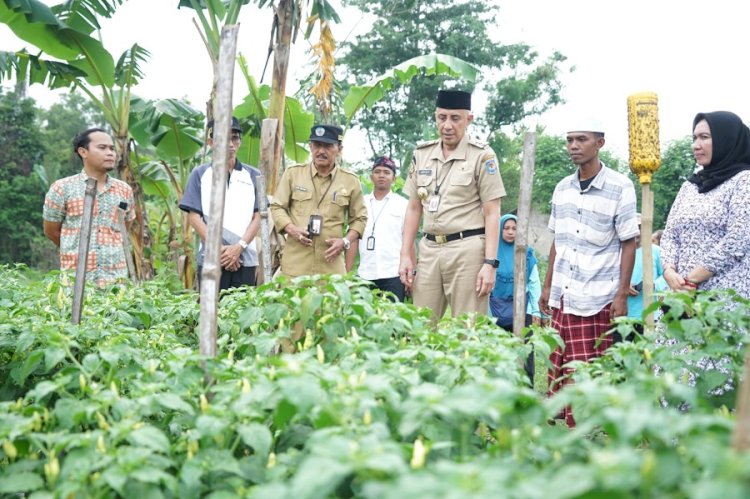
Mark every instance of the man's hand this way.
pixel 485 280
pixel 544 301
pixel 619 306
pixel 407 272
pixel 335 247
pixel 298 234
pixel 230 257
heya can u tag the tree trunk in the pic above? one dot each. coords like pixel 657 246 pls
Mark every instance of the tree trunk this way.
pixel 284 14
pixel 524 214
pixel 141 234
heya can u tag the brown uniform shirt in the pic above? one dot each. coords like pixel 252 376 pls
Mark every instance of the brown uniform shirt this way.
pixel 464 181
pixel 337 197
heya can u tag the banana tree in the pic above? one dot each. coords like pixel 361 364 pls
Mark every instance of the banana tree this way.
pixel 63 32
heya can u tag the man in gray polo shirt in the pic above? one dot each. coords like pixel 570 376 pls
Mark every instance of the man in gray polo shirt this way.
pixel 591 259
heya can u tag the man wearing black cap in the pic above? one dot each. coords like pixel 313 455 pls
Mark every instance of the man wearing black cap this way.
pixel 380 247
pixel 455 183
pixel 239 257
pixel 314 203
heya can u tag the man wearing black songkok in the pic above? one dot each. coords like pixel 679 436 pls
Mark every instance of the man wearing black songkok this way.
pixel 454 182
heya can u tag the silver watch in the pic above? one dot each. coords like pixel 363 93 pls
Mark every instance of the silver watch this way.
pixel 347 243
pixel 242 243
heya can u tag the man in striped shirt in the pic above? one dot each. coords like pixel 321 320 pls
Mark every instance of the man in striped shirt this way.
pixel 591 259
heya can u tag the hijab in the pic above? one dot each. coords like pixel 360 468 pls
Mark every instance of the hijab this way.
pixel 505 271
pixel 731 149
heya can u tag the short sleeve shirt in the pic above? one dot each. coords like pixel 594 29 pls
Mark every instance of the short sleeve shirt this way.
pixel 64 203
pixel 240 204
pixel 380 248
pixel 589 226
pixel 465 180
pixel 336 197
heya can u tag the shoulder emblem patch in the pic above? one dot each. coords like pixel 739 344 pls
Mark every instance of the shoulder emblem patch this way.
pixel 490 165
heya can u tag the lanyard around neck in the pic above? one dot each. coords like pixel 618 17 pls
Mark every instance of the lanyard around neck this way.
pixel 387 198
pixel 333 178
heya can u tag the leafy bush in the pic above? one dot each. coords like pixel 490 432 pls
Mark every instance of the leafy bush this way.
pixel 363 400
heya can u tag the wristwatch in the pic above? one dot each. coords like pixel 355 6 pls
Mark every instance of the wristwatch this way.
pixel 495 263
pixel 242 243
pixel 347 243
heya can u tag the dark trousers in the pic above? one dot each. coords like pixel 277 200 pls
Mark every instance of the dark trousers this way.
pixel 392 284
pixel 529 364
pixel 244 276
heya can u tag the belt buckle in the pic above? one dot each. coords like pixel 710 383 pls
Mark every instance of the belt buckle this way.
pixel 441 238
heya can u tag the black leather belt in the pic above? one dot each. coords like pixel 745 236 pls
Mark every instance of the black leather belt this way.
pixel 446 238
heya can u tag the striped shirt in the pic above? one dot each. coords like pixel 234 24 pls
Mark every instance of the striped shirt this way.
pixel 589 227
pixel 64 203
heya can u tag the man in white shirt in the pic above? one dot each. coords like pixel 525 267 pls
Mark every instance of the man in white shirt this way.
pixel 380 247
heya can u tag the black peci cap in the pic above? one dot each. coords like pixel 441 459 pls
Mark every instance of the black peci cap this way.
pixel 330 134
pixel 453 99
pixel 235 127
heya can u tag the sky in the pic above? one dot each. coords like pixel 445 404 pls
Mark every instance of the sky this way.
pixel 691 53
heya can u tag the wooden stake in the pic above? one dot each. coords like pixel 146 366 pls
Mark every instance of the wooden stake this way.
pixel 83 249
pixel 647 257
pixel 267 148
pixel 126 241
pixel 522 227
pixel 211 274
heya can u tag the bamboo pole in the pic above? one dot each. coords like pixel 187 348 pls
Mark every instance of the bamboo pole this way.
pixel 126 241
pixel 211 274
pixel 522 228
pixel 645 158
pixel 267 148
pixel 741 434
pixel 83 249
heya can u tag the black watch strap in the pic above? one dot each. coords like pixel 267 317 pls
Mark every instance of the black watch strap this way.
pixel 494 263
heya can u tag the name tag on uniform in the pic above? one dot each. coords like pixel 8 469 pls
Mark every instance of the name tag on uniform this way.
pixel 300 188
pixel 425 172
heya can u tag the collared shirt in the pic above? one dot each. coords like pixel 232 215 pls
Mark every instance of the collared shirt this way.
pixel 589 227
pixel 64 203
pixel 239 205
pixel 385 224
pixel 336 197
pixel 465 180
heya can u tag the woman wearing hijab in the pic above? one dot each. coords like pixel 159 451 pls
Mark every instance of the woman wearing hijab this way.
pixel 706 242
pixel 501 299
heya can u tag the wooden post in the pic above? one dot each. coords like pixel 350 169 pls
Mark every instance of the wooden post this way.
pixel 83 249
pixel 267 148
pixel 126 241
pixel 645 158
pixel 647 223
pixel 741 435
pixel 211 274
pixel 522 229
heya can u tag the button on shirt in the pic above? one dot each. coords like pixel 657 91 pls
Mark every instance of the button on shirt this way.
pixel 468 178
pixel 385 222
pixel 589 227
pixel 64 203
pixel 239 205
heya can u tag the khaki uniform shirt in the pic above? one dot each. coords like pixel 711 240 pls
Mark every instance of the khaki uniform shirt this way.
pixel 464 181
pixel 337 198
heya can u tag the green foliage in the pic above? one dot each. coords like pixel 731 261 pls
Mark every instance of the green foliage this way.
pixel 20 148
pixel 403 30
pixel 552 165
pixel 677 164
pixel 373 404
pixel 20 218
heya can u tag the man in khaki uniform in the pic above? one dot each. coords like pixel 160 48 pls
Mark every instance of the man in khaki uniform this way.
pixel 455 183
pixel 312 204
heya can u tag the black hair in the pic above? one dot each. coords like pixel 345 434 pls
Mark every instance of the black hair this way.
pixel 83 139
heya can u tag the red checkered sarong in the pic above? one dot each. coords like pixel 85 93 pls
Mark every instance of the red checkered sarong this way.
pixel 584 340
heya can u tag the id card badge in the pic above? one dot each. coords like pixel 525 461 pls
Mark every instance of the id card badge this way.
pixel 371 243
pixel 434 202
pixel 315 225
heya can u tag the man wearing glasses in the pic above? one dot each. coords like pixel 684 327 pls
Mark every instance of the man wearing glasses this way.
pixel 239 257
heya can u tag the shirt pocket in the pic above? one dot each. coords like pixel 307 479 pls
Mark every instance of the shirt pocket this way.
pixel 339 206
pixel 599 231
pixel 301 201
pixel 462 179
